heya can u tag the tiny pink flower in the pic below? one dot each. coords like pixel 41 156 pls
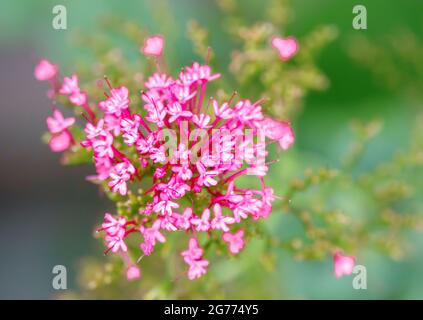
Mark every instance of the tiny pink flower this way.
pixel 176 112
pixel 45 70
pixel 219 221
pixel 279 131
pixel 343 265
pixel 287 47
pixel 78 98
pixel 153 46
pixel 133 272
pixel 224 111
pixel 117 102
pixel 57 123
pixel 112 225
pixel 70 85
pixel 123 172
pixel 165 207
pixel 201 121
pixel 197 269
pixel 183 221
pixel 202 224
pixel 116 243
pixel 194 251
pixel 235 241
pixel 60 142
pixel 159 81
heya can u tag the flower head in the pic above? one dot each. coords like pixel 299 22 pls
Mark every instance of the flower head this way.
pixel 187 157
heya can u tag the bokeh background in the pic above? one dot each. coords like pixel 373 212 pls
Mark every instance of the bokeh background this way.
pixel 48 212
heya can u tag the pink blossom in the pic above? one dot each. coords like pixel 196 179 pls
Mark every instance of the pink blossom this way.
pixel 219 221
pixel 151 235
pixel 165 207
pixel 343 265
pixel 159 81
pixel 57 123
pixel 196 73
pixel 70 85
pixel 60 142
pixel 45 70
pixel 116 242
pixel 78 98
pixel 236 241
pixel 279 131
pixel 103 146
pixel 112 225
pixel 197 268
pixel 133 272
pixel 224 111
pixel 94 131
pixel 183 221
pixel 193 257
pixel 156 113
pixel 122 173
pixel 117 102
pixel 153 46
pixel 202 224
pixel 130 129
pixel 206 177
pixel 201 121
pixel 176 112
pixel 287 47
pixel 194 251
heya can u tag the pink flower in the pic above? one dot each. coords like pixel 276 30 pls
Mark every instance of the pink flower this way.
pixel 130 129
pixel 279 131
pixel 78 98
pixel 194 251
pixel 219 221
pixel 153 46
pixel 165 207
pixel 151 235
pixel 206 177
pixel 58 123
pixel 133 272
pixel 60 142
pixel 159 81
pixel 184 221
pixel 117 102
pixel 197 268
pixel 193 257
pixel 103 147
pixel 70 85
pixel 45 70
pixel 224 111
pixel 122 174
pixel 197 73
pixel 176 112
pixel 287 47
pixel 112 225
pixel 343 265
pixel 202 224
pixel 201 121
pixel 116 243
pixel 235 241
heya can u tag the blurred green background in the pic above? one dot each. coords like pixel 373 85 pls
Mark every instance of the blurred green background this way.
pixel 49 212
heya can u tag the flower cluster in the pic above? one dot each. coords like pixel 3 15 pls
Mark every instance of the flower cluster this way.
pixel 188 150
